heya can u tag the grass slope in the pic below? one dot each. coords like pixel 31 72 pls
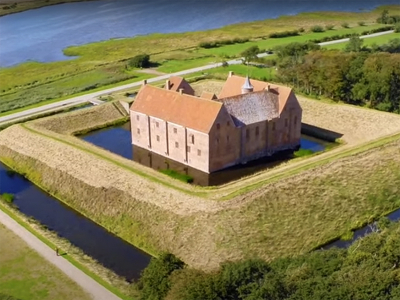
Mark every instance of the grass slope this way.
pixel 25 275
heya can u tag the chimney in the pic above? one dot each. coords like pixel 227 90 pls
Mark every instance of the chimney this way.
pixel 167 85
pixel 181 91
pixel 144 82
pixel 231 73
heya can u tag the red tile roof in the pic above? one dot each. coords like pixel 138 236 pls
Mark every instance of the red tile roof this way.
pixel 176 83
pixel 182 109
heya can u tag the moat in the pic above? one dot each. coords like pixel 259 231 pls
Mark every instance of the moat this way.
pixel 118 140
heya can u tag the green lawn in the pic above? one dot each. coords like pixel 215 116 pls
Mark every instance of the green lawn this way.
pixel 379 40
pixel 26 275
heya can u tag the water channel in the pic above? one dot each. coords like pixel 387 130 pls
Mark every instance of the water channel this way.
pixel 118 140
pixel 108 249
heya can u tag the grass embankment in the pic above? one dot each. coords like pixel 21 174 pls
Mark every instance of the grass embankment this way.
pixel 74 255
pixel 103 63
pixel 14 6
pixel 263 216
pixel 24 274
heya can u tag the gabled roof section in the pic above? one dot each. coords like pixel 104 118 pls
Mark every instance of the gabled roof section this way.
pixel 185 110
pixel 252 107
pixel 208 95
pixel 176 83
pixel 234 83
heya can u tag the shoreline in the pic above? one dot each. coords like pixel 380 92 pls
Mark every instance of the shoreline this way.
pixel 17 6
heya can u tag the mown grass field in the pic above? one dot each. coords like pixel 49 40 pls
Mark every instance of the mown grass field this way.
pixel 103 63
pixel 25 275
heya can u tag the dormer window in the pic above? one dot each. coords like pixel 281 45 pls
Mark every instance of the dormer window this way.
pixel 257 131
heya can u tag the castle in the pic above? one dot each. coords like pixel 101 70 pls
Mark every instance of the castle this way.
pixel 248 120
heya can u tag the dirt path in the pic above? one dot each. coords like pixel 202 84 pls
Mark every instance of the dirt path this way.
pixel 94 289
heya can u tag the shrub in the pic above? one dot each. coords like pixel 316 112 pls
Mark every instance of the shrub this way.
pixel 317 28
pixel 154 282
pixel 9 198
pixel 397 28
pixel 361 23
pixel 216 44
pixel 329 27
pixel 345 25
pixel 139 61
pixel 301 29
pixel 283 34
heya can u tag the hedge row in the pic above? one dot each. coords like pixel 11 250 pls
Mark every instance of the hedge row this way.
pixel 216 44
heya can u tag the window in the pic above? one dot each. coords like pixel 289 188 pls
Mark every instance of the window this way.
pixel 188 149
pixel 227 138
pixel 217 140
pixel 218 126
pixel 273 126
pixel 295 120
pixel 247 134
pixel 286 122
pixel 157 124
pixel 137 117
pixel 257 131
pixel 198 152
pixel 175 130
pixel 228 123
pixel 138 131
pixel 176 145
pixel 158 138
pixel 191 138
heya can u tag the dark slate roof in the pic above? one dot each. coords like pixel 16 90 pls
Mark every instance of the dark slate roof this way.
pixel 252 107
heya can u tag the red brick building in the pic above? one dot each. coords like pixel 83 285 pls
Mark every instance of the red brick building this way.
pixel 248 120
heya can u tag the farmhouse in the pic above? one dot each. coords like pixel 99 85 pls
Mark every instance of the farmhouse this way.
pixel 248 120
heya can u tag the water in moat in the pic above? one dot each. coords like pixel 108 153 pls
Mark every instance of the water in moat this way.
pixel 118 140
pixel 95 241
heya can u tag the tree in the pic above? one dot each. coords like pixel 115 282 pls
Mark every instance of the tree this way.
pixel 354 44
pixel 250 54
pixel 384 18
pixel 139 61
pixel 154 282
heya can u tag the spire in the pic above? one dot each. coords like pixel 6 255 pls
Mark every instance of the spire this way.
pixel 247 87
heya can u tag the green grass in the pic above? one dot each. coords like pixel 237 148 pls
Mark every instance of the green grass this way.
pixel 31 84
pixel 24 274
pixel 303 152
pixel 379 40
pixel 9 198
pixel 177 175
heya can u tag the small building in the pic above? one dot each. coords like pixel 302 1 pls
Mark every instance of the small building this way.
pixel 248 120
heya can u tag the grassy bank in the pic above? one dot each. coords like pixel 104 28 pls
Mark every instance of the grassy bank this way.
pixel 11 7
pixel 103 63
pixel 158 213
pixel 24 274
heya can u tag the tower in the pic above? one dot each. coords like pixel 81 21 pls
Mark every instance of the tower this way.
pixel 247 87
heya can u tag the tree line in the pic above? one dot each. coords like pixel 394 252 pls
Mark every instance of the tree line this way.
pixel 356 75
pixel 367 270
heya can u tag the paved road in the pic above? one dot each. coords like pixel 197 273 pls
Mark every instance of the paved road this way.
pixel 94 289
pixel 85 98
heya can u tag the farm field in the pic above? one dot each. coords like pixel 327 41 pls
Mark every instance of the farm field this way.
pixel 257 216
pixel 25 275
pixel 103 63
